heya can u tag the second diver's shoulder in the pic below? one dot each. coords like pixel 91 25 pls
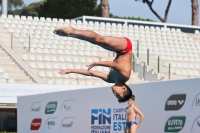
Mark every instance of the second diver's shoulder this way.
pixel 134 107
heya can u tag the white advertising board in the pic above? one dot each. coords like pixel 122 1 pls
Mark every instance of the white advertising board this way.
pixel 168 106
pixel 9 92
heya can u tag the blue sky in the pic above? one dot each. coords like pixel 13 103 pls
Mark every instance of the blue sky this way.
pixel 180 11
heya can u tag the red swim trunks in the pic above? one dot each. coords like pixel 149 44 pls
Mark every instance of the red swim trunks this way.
pixel 128 47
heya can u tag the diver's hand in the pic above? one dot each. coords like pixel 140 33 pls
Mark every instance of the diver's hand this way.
pixel 91 65
pixel 66 71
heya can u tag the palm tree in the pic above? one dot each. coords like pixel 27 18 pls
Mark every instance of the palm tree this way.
pixel 150 5
pixel 105 8
pixel 195 12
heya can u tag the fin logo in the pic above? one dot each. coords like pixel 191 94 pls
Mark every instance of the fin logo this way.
pixel 100 120
pixel 175 102
pixel 101 116
pixel 51 107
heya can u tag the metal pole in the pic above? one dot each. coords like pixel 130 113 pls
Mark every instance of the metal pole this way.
pixel 137 48
pixel 29 44
pixel 133 63
pixel 169 70
pixel 147 56
pixel 158 64
pixel 144 70
pixel 113 54
pixel 11 40
pixel 15 119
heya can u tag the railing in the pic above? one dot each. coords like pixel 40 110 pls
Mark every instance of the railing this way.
pixel 150 61
pixel 12 45
pixel 11 41
pixel 29 37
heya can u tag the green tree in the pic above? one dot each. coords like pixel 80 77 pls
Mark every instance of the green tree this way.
pixel 150 4
pixel 14 4
pixel 68 9
pixel 31 10
pixel 131 18
pixel 15 12
pixel 98 10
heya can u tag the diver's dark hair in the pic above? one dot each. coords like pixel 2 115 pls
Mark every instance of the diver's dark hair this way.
pixel 132 97
pixel 127 95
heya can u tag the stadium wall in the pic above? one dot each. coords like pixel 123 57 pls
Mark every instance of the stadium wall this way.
pixel 184 28
pixel 10 92
pixel 168 106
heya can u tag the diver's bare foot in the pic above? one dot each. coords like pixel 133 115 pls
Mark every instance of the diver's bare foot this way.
pixel 64 31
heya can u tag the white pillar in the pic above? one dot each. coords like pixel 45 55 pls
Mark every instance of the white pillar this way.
pixel 5 7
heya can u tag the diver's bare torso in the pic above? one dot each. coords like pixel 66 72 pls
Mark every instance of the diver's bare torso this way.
pixel 125 60
pixel 131 114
